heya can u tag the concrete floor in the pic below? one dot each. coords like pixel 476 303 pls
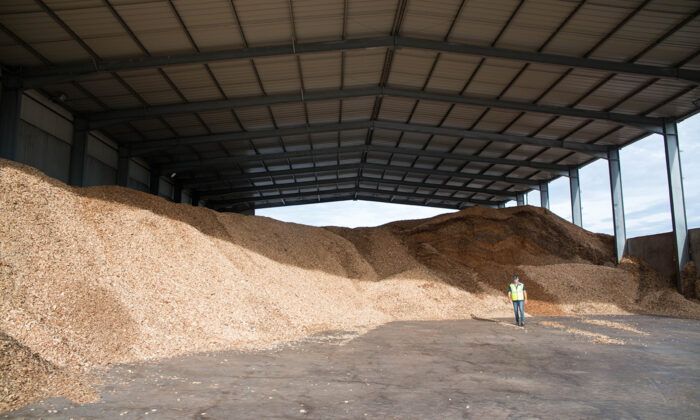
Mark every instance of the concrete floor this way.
pixel 421 370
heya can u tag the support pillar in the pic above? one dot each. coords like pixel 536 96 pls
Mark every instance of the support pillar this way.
pixel 177 192
pixel 618 208
pixel 195 198
pixel 520 199
pixel 154 182
pixel 78 153
pixel 544 195
pixel 677 197
pixel 10 109
pixel 123 167
pixel 575 189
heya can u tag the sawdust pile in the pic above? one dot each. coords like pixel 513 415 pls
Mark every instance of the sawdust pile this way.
pixel 100 275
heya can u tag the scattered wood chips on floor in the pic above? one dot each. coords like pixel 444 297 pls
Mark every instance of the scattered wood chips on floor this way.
pixel 595 337
pixel 102 275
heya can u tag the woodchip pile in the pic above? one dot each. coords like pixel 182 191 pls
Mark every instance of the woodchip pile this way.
pixel 101 275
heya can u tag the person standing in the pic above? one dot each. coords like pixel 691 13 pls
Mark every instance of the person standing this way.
pixel 518 295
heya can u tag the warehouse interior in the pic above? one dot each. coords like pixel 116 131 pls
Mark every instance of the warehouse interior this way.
pixel 240 105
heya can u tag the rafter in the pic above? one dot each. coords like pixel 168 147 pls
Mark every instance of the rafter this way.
pixel 40 76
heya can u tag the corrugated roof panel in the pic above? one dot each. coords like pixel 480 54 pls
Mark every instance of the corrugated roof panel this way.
pixel 220 121
pixel 236 77
pixel 289 114
pixel 211 23
pixel 254 117
pixel 521 172
pixel 370 17
pixel 558 129
pixel 452 72
pixel 111 92
pixel 296 142
pixel 551 155
pixel 363 68
pixel 676 48
pixel 352 137
pixel 385 137
pixel 528 123
pixel 643 29
pixel 651 96
pixel 396 108
pixel 324 140
pixel 265 22
pixel 323 111
pixel 410 68
pixel 532 82
pixel 429 18
pixel 469 146
pixel 592 131
pixel 481 21
pixel 611 92
pixel 15 54
pixel 414 140
pixel 534 23
pixel 278 74
pixel 622 136
pixel 238 147
pixel 463 116
pixel 683 105
pixel 523 151
pixel 194 81
pixel 442 143
pixel 357 108
pixel 497 149
pixel 496 120
pixel 185 124
pixel 574 86
pixel 268 145
pixel 151 86
pixel 493 77
pixel 429 112
pixel 593 21
pixel 156 26
pixel 318 20
pixel 321 71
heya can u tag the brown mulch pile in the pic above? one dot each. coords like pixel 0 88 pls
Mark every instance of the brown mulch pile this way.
pixel 102 275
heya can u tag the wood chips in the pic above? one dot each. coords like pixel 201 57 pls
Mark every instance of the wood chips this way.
pixel 102 275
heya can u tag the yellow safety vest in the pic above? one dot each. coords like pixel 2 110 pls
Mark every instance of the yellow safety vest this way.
pixel 517 292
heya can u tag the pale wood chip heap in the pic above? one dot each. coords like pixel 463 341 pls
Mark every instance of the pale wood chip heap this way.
pixel 102 275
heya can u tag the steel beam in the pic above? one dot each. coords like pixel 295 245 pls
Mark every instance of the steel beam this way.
pixel 78 153
pixel 618 208
pixel 349 197
pixel 217 181
pixel 600 151
pixel 677 198
pixel 98 120
pixel 544 195
pixel 10 110
pixel 40 76
pixel 230 160
pixel 575 190
pixel 361 179
pixel 373 192
pixel 123 167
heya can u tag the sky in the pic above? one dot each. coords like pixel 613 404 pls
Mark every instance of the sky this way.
pixel 644 189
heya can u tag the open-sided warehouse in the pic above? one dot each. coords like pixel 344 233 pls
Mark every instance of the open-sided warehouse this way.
pixel 238 105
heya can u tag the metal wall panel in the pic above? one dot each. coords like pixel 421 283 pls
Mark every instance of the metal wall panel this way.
pixel 39 149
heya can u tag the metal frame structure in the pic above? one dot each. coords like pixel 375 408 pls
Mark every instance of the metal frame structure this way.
pixel 435 105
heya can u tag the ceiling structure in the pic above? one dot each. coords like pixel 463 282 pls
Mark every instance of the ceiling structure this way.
pixel 449 103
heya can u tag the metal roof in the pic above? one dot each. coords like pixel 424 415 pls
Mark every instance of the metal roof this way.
pixel 449 103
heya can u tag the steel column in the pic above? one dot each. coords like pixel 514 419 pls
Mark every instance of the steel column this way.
pixel 618 208
pixel 78 153
pixel 177 192
pixel 123 167
pixel 520 199
pixel 544 195
pixel 575 190
pixel 677 198
pixel 195 198
pixel 10 109
pixel 154 181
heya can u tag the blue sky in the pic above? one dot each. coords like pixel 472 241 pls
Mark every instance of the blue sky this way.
pixel 644 186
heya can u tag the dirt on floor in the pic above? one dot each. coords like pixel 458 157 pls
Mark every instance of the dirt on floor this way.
pixel 102 275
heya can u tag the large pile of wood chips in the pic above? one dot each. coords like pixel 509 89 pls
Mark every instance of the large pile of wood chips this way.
pixel 101 275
